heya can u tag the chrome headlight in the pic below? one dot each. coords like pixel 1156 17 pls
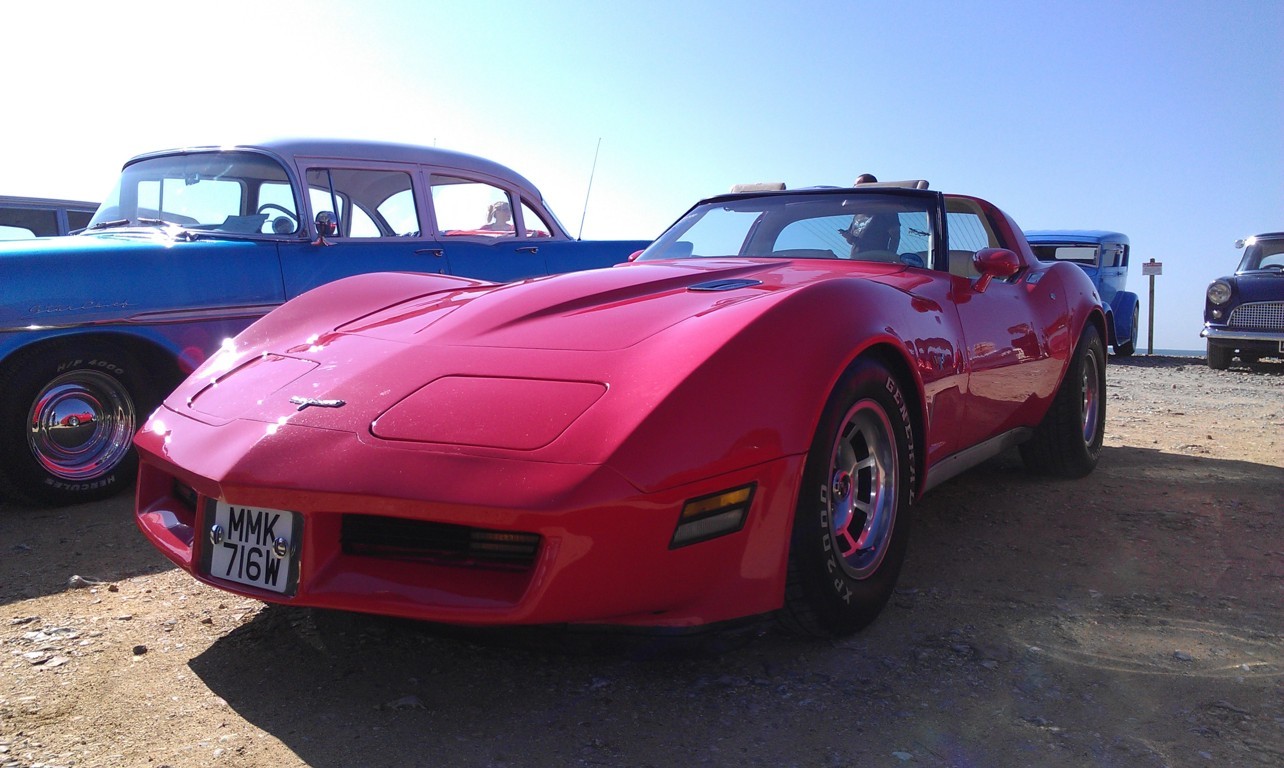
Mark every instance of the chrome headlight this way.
pixel 1219 292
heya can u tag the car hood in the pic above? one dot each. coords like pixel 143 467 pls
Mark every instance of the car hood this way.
pixel 561 369
pixel 1259 285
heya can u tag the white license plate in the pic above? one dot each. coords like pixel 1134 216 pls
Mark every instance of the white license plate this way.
pixel 254 546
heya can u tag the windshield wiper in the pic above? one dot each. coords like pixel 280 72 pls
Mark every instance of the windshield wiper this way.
pixel 129 222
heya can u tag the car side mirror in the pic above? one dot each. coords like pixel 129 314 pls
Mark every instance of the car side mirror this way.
pixel 994 262
pixel 327 226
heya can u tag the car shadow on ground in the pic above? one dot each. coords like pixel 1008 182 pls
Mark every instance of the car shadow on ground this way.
pixel 42 548
pixel 1000 562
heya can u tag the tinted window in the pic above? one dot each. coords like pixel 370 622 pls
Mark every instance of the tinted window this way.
pixel 18 223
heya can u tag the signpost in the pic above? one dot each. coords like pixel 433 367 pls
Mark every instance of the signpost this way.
pixel 1151 269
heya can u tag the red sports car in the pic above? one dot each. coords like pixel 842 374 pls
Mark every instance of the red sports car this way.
pixel 735 423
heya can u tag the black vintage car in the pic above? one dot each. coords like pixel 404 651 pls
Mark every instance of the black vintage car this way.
pixel 1244 312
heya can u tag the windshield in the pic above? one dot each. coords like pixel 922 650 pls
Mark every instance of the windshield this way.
pixel 841 225
pixel 233 192
pixel 1263 254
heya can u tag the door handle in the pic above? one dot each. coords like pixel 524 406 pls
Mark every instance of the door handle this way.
pixel 438 252
pixel 528 249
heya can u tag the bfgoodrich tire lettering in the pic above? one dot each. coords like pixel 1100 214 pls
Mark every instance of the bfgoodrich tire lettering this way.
pixel 1068 440
pixel 67 421
pixel 852 519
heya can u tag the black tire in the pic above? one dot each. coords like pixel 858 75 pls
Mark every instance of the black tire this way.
pixel 1219 357
pixel 843 563
pixel 1068 440
pixel 50 453
pixel 1127 348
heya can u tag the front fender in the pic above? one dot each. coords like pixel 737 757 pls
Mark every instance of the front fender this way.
pixel 1121 306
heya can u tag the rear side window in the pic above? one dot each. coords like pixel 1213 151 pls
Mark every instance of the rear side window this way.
pixel 21 223
pixel 467 207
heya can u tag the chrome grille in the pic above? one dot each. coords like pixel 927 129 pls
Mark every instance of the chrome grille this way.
pixel 1260 315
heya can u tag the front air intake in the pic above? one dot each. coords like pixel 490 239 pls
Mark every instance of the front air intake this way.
pixel 396 538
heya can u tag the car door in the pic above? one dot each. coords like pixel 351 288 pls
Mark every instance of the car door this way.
pixel 1005 345
pixel 380 224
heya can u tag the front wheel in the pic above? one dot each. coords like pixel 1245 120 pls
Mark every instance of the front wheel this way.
pixel 1219 357
pixel 67 423
pixel 1127 348
pixel 1068 440
pixel 852 519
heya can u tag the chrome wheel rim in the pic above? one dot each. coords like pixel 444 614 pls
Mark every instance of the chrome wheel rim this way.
pixel 862 489
pixel 1091 403
pixel 81 425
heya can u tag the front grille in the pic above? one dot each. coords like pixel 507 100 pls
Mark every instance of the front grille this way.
pixel 1259 316
pixel 396 538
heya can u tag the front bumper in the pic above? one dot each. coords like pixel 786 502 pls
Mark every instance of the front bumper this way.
pixel 1245 338
pixel 604 554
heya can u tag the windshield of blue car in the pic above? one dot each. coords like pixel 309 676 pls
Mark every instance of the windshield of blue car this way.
pixel 841 225
pixel 1263 254
pixel 238 193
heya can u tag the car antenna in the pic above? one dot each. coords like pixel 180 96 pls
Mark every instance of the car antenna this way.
pixel 580 235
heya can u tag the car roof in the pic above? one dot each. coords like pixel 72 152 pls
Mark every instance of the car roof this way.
pixel 363 149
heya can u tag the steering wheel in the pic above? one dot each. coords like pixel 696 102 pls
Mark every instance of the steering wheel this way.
pixel 270 206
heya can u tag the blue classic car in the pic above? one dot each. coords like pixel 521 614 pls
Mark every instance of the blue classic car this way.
pixel 1104 256
pixel 1244 312
pixel 194 244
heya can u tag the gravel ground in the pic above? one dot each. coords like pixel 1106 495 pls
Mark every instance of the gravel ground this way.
pixel 1134 618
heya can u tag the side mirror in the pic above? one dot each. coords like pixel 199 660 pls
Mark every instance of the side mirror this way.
pixel 994 262
pixel 634 256
pixel 327 224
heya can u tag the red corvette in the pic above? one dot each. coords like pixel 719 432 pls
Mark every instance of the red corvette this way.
pixel 736 423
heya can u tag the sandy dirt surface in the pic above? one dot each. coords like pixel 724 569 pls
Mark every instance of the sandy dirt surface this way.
pixel 1134 618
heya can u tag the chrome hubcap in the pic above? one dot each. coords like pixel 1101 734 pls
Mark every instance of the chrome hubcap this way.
pixel 81 425
pixel 863 483
pixel 1091 399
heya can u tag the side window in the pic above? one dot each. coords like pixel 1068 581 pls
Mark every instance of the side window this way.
pixel 969 233
pixel 369 203
pixel 78 220
pixel 467 207
pixel 22 223
pixel 534 223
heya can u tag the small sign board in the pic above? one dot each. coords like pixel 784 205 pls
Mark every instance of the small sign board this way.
pixel 1152 267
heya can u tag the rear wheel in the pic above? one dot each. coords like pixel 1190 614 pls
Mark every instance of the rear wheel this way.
pixel 1219 357
pixel 1068 440
pixel 67 423
pixel 852 521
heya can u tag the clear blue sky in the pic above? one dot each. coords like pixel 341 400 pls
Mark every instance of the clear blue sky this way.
pixel 1163 120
